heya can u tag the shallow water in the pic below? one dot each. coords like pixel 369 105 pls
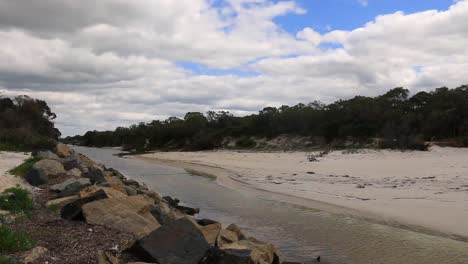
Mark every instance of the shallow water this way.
pixel 300 233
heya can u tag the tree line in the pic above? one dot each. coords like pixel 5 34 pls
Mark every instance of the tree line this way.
pixel 26 124
pixel 397 119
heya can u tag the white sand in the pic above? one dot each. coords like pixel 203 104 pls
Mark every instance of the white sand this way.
pixel 9 160
pixel 427 190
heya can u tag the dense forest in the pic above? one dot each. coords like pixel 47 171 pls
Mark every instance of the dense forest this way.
pixel 26 124
pixel 395 118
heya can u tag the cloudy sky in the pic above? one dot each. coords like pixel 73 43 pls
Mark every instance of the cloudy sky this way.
pixel 106 63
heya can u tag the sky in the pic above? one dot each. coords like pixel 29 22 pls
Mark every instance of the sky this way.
pixel 101 64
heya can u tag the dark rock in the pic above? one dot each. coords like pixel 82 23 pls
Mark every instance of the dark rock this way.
pixel 41 170
pixel 70 162
pixel 73 211
pixel 204 222
pixel 188 210
pixel 116 173
pixel 130 182
pixel 96 175
pixel 174 202
pixel 70 187
pixel 178 243
pixel 232 256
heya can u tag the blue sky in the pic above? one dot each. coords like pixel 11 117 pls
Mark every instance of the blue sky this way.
pixel 323 15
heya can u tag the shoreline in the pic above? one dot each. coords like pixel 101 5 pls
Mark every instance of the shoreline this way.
pixel 235 179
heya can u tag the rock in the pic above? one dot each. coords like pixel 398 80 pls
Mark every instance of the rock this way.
pixel 42 170
pixel 154 195
pixel 109 192
pixel 46 154
pixel 34 254
pixel 130 182
pixel 73 210
pixel 226 237
pixel 204 222
pixel 211 232
pixel 75 173
pixel 70 162
pixel 70 187
pixel 163 213
pixel 174 202
pixel 130 191
pixel 106 258
pixel 131 214
pixel 114 182
pixel 178 243
pixel 116 173
pixel 95 174
pixel 234 228
pixel 63 150
pixel 62 201
pixel 188 210
pixel 252 250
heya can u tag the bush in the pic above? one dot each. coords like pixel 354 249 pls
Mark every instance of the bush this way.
pixel 23 169
pixel 21 203
pixel 14 241
pixel 245 142
pixel 7 260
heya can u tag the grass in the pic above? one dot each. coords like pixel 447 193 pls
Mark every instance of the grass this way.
pixel 22 169
pixel 7 260
pixel 14 241
pixel 21 203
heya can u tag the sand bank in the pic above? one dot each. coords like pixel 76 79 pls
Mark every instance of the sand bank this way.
pixel 9 160
pixel 426 190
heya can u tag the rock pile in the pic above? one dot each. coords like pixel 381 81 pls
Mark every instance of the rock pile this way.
pixel 165 232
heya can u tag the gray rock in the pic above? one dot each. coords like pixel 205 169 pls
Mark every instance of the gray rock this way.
pixel 46 154
pixel 178 243
pixel 130 191
pixel 70 187
pixel 41 170
pixel 95 174
pixel 70 162
pixel 163 213
pixel 75 173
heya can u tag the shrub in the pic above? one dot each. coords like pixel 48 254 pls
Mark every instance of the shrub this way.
pixel 7 260
pixel 245 142
pixel 22 169
pixel 21 203
pixel 14 241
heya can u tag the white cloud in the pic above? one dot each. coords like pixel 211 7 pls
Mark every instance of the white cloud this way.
pixel 101 64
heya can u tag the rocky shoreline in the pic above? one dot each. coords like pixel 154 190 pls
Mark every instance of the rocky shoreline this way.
pixel 87 213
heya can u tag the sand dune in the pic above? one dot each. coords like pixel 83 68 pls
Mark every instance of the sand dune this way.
pixel 9 160
pixel 419 189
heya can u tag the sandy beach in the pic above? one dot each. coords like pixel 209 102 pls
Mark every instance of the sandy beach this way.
pixel 9 160
pixel 421 190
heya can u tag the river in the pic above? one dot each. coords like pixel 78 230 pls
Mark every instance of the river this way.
pixel 301 233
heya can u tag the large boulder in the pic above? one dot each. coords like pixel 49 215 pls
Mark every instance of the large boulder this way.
pixel 46 154
pixel 95 175
pixel 131 214
pixel 60 202
pixel 74 172
pixel 181 242
pixel 109 192
pixel 42 170
pixel 73 210
pixel 63 150
pixel 234 228
pixel 70 187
